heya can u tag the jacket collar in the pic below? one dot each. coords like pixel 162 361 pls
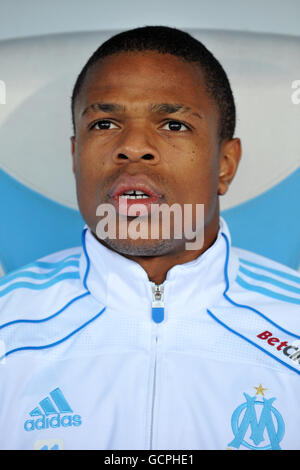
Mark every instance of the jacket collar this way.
pixel 120 283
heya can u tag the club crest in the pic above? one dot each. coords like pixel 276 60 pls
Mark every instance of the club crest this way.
pixel 257 424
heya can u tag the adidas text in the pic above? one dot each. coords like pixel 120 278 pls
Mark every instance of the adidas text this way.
pixel 53 422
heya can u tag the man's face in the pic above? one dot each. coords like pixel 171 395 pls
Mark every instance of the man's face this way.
pixel 155 130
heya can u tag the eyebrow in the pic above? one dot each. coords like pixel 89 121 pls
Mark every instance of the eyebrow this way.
pixel 160 108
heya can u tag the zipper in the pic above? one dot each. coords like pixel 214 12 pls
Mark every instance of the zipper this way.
pixel 157 317
pixel 158 311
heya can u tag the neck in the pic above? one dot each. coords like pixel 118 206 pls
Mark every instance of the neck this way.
pixel 157 267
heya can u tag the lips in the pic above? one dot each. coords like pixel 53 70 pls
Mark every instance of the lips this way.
pixel 129 190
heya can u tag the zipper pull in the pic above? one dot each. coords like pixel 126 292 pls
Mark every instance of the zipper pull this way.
pixel 158 311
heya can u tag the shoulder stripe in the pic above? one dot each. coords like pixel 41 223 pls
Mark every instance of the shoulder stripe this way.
pixel 24 348
pixel 270 280
pixel 48 265
pixel 283 274
pixel 41 320
pixel 45 285
pixel 226 296
pixel 34 275
pixel 264 291
pixel 259 314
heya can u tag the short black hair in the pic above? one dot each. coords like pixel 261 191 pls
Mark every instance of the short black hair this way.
pixel 166 40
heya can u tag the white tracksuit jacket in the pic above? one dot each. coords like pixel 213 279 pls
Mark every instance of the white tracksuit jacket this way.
pixel 92 359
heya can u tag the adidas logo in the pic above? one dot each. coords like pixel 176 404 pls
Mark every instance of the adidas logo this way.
pixel 50 411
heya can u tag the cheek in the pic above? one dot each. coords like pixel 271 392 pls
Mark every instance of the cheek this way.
pixel 87 183
pixel 90 156
pixel 197 175
pixel 90 165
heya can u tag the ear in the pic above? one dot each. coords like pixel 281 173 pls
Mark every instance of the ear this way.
pixel 73 152
pixel 230 155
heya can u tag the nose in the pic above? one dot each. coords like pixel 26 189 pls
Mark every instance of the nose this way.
pixel 136 144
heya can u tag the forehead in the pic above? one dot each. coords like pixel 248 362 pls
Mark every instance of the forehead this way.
pixel 145 77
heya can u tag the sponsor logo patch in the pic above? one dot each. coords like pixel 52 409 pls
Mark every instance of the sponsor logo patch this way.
pixel 290 350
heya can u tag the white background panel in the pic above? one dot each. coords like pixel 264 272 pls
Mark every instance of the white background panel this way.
pixel 34 17
pixel 35 124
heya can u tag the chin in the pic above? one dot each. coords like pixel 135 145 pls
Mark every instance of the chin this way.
pixel 141 247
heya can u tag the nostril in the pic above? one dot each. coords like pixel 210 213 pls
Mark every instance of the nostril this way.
pixel 147 156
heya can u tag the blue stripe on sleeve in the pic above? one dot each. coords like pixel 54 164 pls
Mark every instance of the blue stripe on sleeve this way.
pixel 283 274
pixel 45 285
pixel 47 264
pixel 270 280
pixel 241 305
pixel 35 275
pixel 264 291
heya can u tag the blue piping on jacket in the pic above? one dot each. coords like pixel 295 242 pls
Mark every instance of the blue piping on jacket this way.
pixel 246 306
pixel 56 342
pixel 57 313
pixel 250 308
pixel 46 318
pixel 86 257
pixel 251 342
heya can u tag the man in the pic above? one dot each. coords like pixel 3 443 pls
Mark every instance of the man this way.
pixel 146 342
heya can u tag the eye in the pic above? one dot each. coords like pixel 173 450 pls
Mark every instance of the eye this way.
pixel 103 125
pixel 175 126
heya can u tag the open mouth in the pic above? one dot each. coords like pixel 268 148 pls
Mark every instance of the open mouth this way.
pixel 130 191
pixel 127 201
pixel 134 194
pixel 135 202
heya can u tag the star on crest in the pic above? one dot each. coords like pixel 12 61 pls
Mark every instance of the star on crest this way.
pixel 260 389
